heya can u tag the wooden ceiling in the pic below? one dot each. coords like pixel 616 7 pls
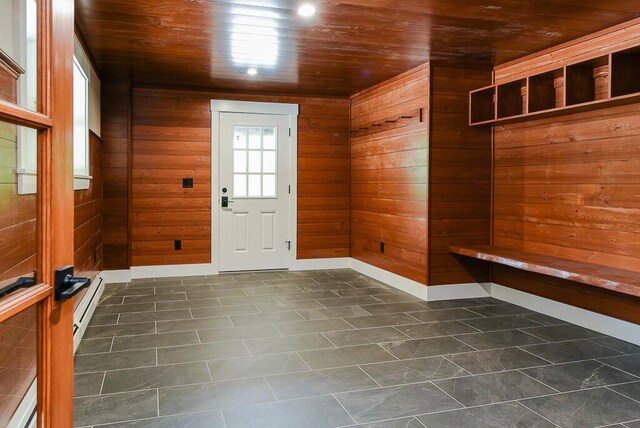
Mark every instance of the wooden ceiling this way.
pixel 347 46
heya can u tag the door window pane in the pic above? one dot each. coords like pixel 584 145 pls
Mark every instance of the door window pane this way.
pixel 19 52
pixel 254 156
pixel 80 121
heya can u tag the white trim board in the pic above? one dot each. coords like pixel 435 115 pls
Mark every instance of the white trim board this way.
pixel 171 271
pixel 229 106
pixel 83 313
pixel 604 324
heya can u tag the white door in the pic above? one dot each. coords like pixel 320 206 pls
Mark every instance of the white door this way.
pixel 254 191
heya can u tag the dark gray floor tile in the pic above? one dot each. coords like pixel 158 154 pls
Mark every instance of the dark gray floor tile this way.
pixel 444 315
pixel 434 329
pixel 557 333
pixel 380 320
pixel 195 324
pixel 98 320
pixel 211 396
pixel 169 297
pixel 223 311
pixel 413 371
pixel 496 360
pixel 309 295
pixel 345 356
pixel 119 330
pixel 580 375
pixel 317 326
pixel 495 415
pixel 155 377
pixel 143 317
pixel 631 390
pixel 508 322
pixel 544 319
pixel 87 384
pixel 319 382
pixel 396 297
pixel 274 345
pixel 395 402
pixel 365 336
pixel 564 352
pixel 212 419
pixel 328 313
pixel 274 317
pixel 237 333
pixel 590 408
pixel 316 287
pixel 348 301
pixel 392 308
pixel 499 339
pixel 627 363
pixel 94 346
pixel 263 290
pixel 426 347
pixel 188 304
pixel 634 424
pixel 457 303
pixel 355 292
pixel 305 274
pixel 497 310
pixel 393 423
pixel 272 282
pixel 146 341
pixel 617 344
pixel 108 300
pixel 363 282
pixel 262 365
pixel 288 306
pixel 248 300
pixel 103 409
pixel 114 361
pixel 215 292
pixel 208 351
pixel 493 388
pixel 316 412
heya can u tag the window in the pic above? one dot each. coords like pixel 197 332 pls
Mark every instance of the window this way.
pixel 254 162
pixel 81 178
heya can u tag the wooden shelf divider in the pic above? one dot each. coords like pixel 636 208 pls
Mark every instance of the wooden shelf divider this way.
pixel 618 280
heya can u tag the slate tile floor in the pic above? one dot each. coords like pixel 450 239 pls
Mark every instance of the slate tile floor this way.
pixel 336 349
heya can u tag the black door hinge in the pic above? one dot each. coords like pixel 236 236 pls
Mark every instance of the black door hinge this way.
pixel 288 245
pixel 289 188
pixel 289 132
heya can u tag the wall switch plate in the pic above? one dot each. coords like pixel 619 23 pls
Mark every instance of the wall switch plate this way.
pixel 187 183
pixel 177 244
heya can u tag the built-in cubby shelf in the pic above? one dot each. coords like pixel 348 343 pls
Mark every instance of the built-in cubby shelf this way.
pixel 599 82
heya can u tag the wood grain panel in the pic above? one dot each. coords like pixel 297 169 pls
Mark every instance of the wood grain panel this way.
pixel 115 111
pixel 88 252
pixel 568 186
pixel 171 139
pixel 389 169
pixel 459 176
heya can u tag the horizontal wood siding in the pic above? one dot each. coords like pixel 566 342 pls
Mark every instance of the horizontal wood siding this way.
pixel 459 177
pixel 389 176
pixel 172 139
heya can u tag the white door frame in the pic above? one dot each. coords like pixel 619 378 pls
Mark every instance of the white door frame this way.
pixel 225 106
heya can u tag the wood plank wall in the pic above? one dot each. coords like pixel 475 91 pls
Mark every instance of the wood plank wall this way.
pixel 115 167
pixel 171 138
pixel 459 176
pixel 17 212
pixel 568 186
pixel 389 176
pixel 88 216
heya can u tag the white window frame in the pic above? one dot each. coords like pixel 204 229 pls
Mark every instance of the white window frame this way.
pixel 82 179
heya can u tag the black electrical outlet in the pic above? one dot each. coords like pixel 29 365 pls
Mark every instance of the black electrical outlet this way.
pixel 177 244
pixel 187 183
pixel 381 247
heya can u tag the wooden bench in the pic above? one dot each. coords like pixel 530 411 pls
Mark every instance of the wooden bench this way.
pixel 618 280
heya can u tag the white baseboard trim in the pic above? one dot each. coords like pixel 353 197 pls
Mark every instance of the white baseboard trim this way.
pixel 620 329
pixel 111 276
pixel 401 283
pixel 317 264
pixel 170 271
pixel 458 291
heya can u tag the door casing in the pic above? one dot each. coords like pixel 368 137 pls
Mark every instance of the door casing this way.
pixel 226 106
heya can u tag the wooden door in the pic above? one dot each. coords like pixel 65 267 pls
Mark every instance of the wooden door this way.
pixel 36 206
pixel 254 188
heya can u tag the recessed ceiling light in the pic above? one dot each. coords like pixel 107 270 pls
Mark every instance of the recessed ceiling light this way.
pixel 252 72
pixel 306 10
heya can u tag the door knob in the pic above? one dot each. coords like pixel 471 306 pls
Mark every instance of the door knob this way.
pixel 67 285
